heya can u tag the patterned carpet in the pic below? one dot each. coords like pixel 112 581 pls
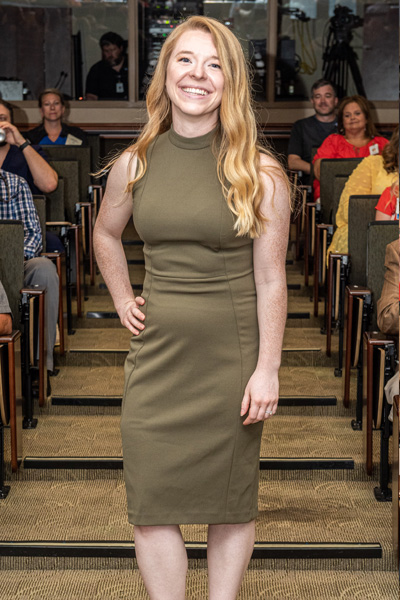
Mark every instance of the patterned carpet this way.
pixel 295 506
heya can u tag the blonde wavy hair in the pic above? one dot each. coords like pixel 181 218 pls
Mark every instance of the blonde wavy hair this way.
pixel 235 144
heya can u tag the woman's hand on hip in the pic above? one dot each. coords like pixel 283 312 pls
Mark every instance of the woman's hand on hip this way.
pixel 131 316
pixel 261 397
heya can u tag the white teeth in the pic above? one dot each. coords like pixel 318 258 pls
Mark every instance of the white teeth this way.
pixel 195 91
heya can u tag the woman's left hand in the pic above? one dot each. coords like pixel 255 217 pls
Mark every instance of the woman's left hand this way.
pixel 260 396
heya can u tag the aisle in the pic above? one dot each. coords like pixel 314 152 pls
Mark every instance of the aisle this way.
pixel 315 499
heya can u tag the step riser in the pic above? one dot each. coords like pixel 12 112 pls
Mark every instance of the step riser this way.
pixel 386 563
pixel 356 474
pixel 292 358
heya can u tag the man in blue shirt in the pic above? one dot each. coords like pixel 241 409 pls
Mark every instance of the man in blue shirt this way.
pixel 16 203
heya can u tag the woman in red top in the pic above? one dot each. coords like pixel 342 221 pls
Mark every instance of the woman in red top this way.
pixel 387 208
pixel 357 136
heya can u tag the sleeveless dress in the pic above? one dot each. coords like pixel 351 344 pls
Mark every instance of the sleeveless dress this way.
pixel 187 456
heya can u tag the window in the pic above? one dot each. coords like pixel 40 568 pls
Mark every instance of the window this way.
pixel 54 44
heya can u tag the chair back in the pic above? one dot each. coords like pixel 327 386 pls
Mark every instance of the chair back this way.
pixel 12 264
pixel 379 235
pixel 361 213
pixel 69 171
pixel 338 187
pixel 55 205
pixel 81 154
pixel 40 205
pixel 330 167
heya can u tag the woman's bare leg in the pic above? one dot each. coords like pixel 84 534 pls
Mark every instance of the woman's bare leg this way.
pixel 162 560
pixel 229 550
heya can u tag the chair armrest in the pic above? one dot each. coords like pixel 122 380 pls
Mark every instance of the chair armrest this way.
pixel 58 223
pixel 12 337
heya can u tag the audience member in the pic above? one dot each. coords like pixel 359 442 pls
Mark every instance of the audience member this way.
pixel 18 156
pixel 16 203
pixel 53 130
pixel 311 132
pixel 388 311
pixel 387 208
pixel 357 136
pixel 5 313
pixel 371 176
pixel 388 303
pixel 108 78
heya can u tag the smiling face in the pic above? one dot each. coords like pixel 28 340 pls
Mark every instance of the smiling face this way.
pixel 354 119
pixel 52 108
pixel 195 82
pixel 324 101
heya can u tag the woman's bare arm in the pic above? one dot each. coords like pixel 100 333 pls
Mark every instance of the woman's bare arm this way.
pixel 115 211
pixel 262 391
pixel 317 168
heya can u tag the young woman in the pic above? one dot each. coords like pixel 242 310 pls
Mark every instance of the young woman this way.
pixel 201 376
pixel 357 136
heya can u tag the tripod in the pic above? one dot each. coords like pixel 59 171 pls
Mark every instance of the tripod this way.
pixel 339 57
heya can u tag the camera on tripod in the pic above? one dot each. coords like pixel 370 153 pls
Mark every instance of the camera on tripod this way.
pixel 343 21
pixel 339 57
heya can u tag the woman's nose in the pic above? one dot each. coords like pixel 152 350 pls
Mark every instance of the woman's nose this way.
pixel 198 71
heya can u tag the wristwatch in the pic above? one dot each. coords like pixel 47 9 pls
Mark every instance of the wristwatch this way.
pixel 24 145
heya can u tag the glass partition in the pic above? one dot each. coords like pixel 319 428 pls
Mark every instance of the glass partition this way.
pixel 55 43
pixel 248 20
pixel 345 44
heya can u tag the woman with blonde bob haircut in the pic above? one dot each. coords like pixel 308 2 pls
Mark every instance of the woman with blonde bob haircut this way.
pixel 212 208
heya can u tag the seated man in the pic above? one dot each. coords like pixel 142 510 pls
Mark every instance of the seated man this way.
pixel 5 313
pixel 312 131
pixel 108 78
pixel 16 203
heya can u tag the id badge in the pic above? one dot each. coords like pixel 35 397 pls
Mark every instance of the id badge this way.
pixel 119 87
pixel 374 149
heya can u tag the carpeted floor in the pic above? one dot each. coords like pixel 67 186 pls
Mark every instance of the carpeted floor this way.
pixel 258 584
pixel 295 506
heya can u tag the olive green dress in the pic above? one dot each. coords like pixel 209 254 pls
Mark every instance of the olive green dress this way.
pixel 187 456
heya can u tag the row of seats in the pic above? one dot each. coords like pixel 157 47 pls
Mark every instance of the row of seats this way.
pixel 70 211
pixel 350 285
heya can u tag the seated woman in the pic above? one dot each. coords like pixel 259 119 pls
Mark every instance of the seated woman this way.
pixel 387 208
pixel 357 136
pixel 372 176
pixel 53 130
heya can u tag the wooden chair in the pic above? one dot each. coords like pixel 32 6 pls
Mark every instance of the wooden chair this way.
pixel 10 399
pixel 379 366
pixel 88 198
pixel 361 306
pixel 329 202
pixel 68 170
pixel 396 478
pixel 27 307
pixel 56 257
pixel 343 267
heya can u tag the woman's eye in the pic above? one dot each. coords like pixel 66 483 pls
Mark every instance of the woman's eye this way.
pixel 215 66
pixel 184 59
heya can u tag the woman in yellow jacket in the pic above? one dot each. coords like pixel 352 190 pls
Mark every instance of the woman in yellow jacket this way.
pixel 372 176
